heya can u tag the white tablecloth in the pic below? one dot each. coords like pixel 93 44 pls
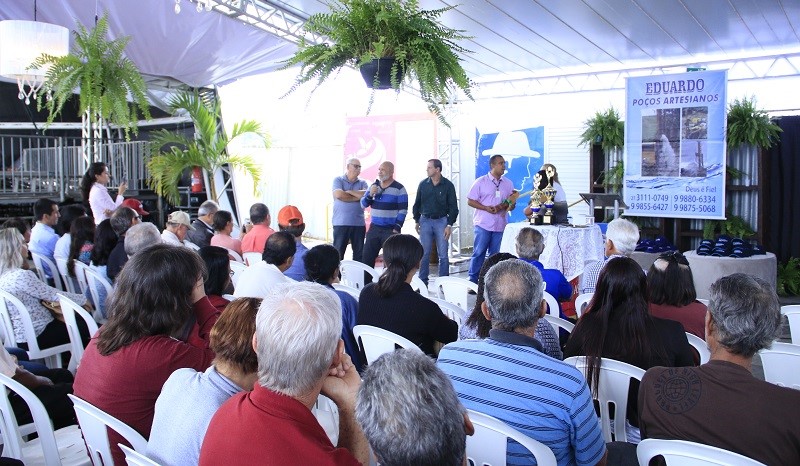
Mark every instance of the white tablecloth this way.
pixel 567 249
pixel 707 269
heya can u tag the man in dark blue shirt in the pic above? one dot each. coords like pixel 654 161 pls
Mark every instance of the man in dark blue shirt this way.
pixel 435 211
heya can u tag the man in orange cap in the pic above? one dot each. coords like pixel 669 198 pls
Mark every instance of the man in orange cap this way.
pixel 290 220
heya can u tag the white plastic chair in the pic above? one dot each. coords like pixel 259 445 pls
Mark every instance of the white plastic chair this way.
pixel 94 280
pixel 700 346
pixel 792 313
pixel 80 275
pixel 455 290
pixel 419 286
pixel 704 301
pixel 50 355
pixel 134 458
pixel 348 289
pixel 69 309
pixel 52 448
pixel 488 445
pixel 683 453
pixel 552 304
pixel 377 341
pixel 235 256
pixel 236 270
pixel 327 415
pixel 251 258
pixel 452 311
pixel 229 297
pixel 39 261
pixel 63 272
pixel 581 302
pixel 95 423
pixel 353 273
pixel 781 363
pixel 612 388
pixel 558 322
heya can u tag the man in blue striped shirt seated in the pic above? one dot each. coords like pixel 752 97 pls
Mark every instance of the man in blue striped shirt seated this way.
pixel 389 202
pixel 509 377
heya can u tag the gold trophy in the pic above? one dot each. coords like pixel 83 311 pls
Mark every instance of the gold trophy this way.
pixel 536 207
pixel 549 192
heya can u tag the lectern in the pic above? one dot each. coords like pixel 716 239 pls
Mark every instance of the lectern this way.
pixel 604 200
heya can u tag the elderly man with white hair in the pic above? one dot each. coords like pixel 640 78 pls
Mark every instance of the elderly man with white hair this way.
pixel 391 399
pixel 300 356
pixel 140 236
pixel 621 238
pixel 203 228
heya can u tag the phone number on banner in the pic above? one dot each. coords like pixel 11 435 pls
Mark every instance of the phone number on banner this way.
pixel 676 203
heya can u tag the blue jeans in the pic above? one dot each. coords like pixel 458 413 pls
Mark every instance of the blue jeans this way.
pixel 431 231
pixel 485 241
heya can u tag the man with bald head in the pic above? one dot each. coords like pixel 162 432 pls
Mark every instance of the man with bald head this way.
pixel 348 215
pixel 389 202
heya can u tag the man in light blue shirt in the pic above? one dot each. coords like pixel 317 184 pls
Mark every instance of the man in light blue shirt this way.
pixel 43 235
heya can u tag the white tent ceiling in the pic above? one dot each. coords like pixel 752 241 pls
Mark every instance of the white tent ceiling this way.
pixel 513 40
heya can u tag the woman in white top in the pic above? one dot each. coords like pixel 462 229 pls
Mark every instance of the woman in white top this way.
pixel 93 188
pixel 26 286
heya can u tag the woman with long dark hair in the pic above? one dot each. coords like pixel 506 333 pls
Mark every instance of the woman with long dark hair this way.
pixel 104 242
pixel 81 243
pixel 477 326
pixel 159 321
pixel 94 191
pixel 670 285
pixel 218 276
pixel 619 326
pixel 393 305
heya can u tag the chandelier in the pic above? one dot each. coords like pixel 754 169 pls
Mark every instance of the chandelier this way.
pixel 21 43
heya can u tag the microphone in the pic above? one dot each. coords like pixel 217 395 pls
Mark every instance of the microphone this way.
pixel 377 182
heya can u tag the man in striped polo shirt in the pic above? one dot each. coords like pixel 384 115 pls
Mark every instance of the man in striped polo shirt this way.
pixel 389 202
pixel 509 377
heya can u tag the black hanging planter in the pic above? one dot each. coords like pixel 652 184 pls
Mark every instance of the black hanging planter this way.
pixel 380 68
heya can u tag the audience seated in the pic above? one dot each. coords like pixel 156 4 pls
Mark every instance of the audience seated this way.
pixel 720 403
pixel 203 229
pixel 291 221
pixel 218 275
pixel 43 234
pixel 393 305
pixel 177 228
pixel 509 377
pixel 530 244
pixel 105 243
pixel 141 236
pixel 190 398
pixel 621 238
pixel 259 278
pixel 25 230
pixel 619 326
pixel 391 399
pixel 159 321
pixel 322 266
pixel 477 326
pixel 121 220
pixel 670 287
pixel 258 229
pixel 300 355
pixel 223 226
pixel 28 288
pixel 69 213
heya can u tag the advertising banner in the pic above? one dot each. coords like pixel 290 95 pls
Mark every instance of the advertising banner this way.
pixel 675 145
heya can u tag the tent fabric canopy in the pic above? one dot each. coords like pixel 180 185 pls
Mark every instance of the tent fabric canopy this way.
pixel 198 49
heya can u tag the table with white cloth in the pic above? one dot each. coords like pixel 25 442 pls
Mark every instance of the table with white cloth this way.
pixel 567 249
pixel 708 269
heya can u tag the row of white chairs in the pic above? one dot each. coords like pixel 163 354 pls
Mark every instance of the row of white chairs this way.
pixel 85 276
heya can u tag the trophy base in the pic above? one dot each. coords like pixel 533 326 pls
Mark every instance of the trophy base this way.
pixel 535 220
pixel 547 220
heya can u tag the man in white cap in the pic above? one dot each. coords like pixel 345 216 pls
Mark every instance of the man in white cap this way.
pixel 178 224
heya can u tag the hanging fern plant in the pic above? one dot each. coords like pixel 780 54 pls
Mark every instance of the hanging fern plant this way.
pixel 103 75
pixel 749 125
pixel 606 129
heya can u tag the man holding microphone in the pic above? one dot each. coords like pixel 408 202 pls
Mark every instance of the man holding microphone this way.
pixel 389 202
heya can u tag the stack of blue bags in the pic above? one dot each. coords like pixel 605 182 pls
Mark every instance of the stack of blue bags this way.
pixel 659 245
pixel 725 246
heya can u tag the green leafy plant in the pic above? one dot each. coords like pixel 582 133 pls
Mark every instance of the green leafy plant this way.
pixel 789 277
pixel 748 125
pixel 359 31
pixel 734 226
pixel 606 129
pixel 613 177
pixel 104 76
pixel 208 149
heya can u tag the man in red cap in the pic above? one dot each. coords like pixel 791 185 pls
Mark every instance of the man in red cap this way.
pixel 136 205
pixel 290 220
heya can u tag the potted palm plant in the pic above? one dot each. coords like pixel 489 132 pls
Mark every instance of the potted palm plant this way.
pixel 174 153
pixel 608 130
pixel 104 76
pixel 392 41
